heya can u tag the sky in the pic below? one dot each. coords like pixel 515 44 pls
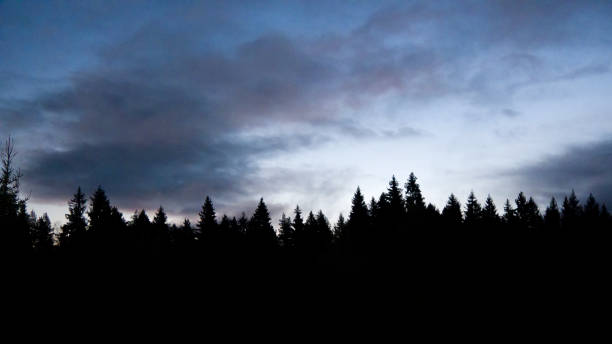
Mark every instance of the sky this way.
pixel 300 102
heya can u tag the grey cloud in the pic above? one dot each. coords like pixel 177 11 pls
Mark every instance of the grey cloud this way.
pixel 510 112
pixel 164 114
pixel 587 169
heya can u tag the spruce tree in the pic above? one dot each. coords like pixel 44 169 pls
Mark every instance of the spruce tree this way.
pixel 324 233
pixel 490 217
pixel 74 229
pixel 358 225
pixel 286 233
pixel 451 214
pixel 339 228
pixel 473 212
pixel 99 211
pixel 552 217
pixel 15 237
pixel 43 235
pixel 571 213
pixel 260 233
pixel 591 213
pixel 415 203
pixel 510 218
pixel 208 222
pixel 395 201
pixel 534 218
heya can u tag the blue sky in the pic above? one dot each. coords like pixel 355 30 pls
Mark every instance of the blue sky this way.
pixel 299 102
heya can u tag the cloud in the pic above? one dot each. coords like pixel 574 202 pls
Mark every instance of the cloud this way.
pixel 587 169
pixel 188 103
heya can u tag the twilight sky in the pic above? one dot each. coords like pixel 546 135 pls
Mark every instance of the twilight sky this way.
pixel 164 102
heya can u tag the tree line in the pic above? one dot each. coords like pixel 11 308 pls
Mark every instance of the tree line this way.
pixel 393 227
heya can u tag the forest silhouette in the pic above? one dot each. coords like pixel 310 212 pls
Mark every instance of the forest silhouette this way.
pixel 397 231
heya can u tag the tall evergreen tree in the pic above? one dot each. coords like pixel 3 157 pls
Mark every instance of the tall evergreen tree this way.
pixel 395 200
pixel 74 229
pixel 473 212
pixel 99 211
pixel 510 218
pixel 208 221
pixel 260 233
pixel 591 213
pixel 534 218
pixel 571 213
pixel 490 217
pixel 415 203
pixel 16 238
pixel 324 233
pixel 43 235
pixel 358 225
pixel 552 217
pixel 522 212
pixel 339 228
pixel 286 233
pixel 451 214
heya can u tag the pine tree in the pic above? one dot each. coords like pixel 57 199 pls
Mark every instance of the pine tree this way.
pixel 74 229
pixel 395 201
pixel 415 203
pixel 522 212
pixel 339 228
pixel 591 213
pixel 552 217
pixel 15 234
pixel 451 214
pixel 208 220
pixel 358 225
pixel 510 217
pixel 160 219
pixel 324 233
pixel 43 235
pixel 286 234
pixel 534 218
pixel 99 211
pixel 359 215
pixel 490 217
pixel 473 212
pixel 571 213
pixel 260 233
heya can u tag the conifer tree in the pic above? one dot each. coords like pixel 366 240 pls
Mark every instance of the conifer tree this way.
pixel 591 213
pixel 74 229
pixel 324 233
pixel 510 217
pixel 395 201
pixel 473 212
pixel 552 217
pixel 15 237
pixel 286 233
pixel 570 213
pixel 208 221
pixel 451 214
pixel 99 211
pixel 339 228
pixel 43 235
pixel 534 218
pixel 358 225
pixel 415 203
pixel 260 233
pixel 160 219
pixel 490 217
pixel 522 212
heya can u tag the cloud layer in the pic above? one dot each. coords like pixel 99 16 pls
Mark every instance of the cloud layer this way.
pixel 185 100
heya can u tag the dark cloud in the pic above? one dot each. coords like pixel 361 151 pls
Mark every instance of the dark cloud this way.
pixel 186 103
pixel 587 169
